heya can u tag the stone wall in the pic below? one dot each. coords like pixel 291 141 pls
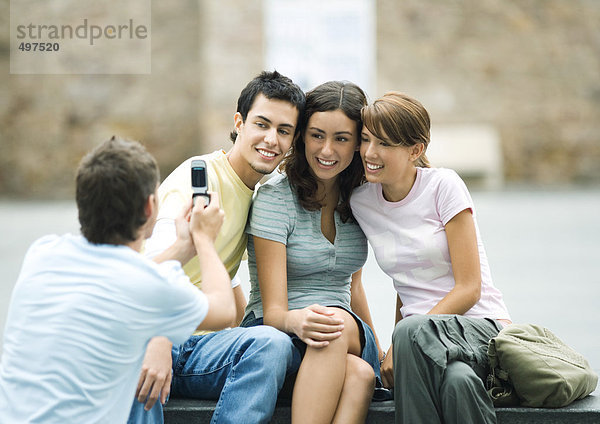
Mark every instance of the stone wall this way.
pixel 231 55
pixel 49 121
pixel 529 68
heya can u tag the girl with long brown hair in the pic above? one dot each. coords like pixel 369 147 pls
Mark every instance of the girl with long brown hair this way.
pixel 306 253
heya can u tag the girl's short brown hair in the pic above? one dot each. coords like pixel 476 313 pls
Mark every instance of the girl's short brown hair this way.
pixel 400 120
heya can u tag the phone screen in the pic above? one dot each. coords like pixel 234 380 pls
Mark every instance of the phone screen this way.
pixel 198 176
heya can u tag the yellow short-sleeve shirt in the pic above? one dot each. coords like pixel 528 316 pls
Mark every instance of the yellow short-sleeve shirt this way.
pixel 235 199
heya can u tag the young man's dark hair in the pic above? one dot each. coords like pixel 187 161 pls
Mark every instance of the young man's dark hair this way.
pixel 113 184
pixel 272 85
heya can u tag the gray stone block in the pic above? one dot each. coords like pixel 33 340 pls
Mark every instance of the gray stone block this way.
pixel 585 411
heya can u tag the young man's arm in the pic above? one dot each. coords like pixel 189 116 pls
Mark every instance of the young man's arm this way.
pixel 205 224
pixel 182 249
pixel 197 238
pixel 194 237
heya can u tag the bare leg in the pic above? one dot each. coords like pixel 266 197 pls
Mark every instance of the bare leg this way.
pixel 320 381
pixel 356 393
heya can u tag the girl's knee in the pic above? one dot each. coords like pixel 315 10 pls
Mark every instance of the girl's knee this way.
pixel 359 372
pixel 411 323
pixel 350 335
pixel 460 378
pixel 344 315
pixel 407 327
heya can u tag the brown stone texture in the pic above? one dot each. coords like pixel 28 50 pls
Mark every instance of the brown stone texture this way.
pixel 529 68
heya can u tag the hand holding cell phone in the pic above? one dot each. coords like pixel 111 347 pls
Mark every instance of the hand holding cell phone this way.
pixel 208 219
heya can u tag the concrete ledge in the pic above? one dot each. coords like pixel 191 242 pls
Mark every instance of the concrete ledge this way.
pixel 585 411
pixel 472 150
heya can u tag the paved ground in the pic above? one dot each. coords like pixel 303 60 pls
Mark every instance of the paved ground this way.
pixel 543 246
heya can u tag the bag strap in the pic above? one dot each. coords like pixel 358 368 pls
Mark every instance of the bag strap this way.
pixel 498 387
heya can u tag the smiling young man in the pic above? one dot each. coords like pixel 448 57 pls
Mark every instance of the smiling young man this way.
pixel 243 368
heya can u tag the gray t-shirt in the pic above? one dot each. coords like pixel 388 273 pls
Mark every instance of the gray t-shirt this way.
pixel 317 270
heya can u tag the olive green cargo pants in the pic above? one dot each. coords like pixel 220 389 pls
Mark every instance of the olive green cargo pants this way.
pixel 440 365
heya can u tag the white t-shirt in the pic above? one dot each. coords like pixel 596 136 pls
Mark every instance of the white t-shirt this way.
pixel 409 241
pixel 78 324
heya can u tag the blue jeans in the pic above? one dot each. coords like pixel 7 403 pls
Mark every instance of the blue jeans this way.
pixel 242 368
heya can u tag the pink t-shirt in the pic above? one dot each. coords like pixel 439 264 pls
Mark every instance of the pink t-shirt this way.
pixel 410 244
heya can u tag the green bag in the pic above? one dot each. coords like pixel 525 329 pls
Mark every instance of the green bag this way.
pixel 532 367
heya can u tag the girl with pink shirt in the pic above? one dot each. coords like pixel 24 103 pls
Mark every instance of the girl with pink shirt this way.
pixel 421 224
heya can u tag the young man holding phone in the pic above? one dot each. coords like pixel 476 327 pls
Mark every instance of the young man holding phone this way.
pixel 243 368
pixel 84 307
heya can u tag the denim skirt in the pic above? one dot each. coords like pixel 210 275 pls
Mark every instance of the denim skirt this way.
pixel 369 353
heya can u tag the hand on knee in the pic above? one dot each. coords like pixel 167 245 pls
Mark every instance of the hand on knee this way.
pixel 350 335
